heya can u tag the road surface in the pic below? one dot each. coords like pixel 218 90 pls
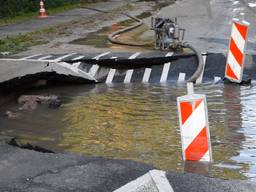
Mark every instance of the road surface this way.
pixel 208 22
pixel 37 24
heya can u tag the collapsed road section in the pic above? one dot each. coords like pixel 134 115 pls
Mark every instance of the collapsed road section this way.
pixel 30 170
pixel 128 67
pixel 23 74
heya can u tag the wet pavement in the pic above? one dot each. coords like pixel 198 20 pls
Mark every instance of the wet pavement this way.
pixel 208 22
pixel 30 171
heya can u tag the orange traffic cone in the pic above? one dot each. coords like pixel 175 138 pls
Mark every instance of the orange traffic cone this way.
pixel 42 12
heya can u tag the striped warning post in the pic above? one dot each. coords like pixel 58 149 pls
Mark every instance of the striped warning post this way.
pixel 236 53
pixel 194 126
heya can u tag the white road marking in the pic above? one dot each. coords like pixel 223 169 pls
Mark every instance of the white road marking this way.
pixel 252 4
pixel 133 56
pixel 154 180
pixel 78 58
pixel 182 77
pixel 128 76
pixel 169 54
pixel 101 55
pixel 63 57
pixel 35 60
pixel 44 58
pixel 76 65
pixel 29 57
pixel 111 75
pixel 165 72
pixel 95 68
pixel 75 69
pixel 129 73
pixel 166 69
pixel 9 59
pixel 235 2
pixel 146 75
pixel 200 78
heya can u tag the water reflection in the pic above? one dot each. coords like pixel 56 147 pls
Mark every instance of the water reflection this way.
pixel 139 122
pixel 126 123
pixel 247 153
pixel 202 168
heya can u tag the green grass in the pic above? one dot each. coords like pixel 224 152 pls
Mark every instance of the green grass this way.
pixel 19 43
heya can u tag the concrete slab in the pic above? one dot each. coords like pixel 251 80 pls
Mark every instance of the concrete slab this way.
pixel 153 181
pixel 11 69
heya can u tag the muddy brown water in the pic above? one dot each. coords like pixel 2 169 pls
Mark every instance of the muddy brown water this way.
pixel 139 122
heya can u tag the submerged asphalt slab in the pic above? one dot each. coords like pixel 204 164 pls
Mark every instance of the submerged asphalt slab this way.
pixel 11 69
pixel 23 170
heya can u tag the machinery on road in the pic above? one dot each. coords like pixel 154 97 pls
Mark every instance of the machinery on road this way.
pixel 168 34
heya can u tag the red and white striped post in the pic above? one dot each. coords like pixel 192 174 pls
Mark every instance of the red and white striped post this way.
pixel 236 53
pixel 194 126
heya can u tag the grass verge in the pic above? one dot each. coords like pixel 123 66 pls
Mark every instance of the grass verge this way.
pixel 12 45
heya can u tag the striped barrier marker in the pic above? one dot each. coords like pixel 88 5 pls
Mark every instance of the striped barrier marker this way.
pixel 236 53
pixel 194 126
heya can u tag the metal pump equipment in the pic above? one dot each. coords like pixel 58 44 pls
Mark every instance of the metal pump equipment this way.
pixel 168 34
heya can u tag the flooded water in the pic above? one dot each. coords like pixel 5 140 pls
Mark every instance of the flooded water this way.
pixel 139 122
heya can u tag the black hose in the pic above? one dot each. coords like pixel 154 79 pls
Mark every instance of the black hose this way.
pixel 112 36
pixel 112 39
pixel 200 66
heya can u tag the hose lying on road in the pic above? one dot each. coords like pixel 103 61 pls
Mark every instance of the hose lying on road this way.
pixel 112 37
pixel 200 66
